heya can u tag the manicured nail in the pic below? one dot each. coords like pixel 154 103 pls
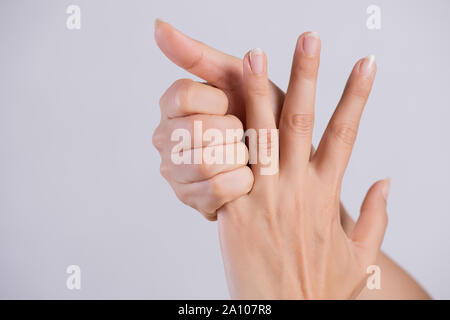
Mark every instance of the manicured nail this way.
pixel 367 65
pixel 257 60
pixel 386 188
pixel 311 44
pixel 158 22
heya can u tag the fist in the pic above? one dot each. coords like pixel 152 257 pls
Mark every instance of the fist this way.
pixel 196 113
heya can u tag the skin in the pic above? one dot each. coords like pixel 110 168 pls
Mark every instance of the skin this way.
pixel 235 189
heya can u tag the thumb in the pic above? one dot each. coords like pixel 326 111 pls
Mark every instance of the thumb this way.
pixel 211 65
pixel 259 116
pixel 371 225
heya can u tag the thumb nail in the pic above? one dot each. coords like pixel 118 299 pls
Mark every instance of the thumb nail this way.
pixel 158 22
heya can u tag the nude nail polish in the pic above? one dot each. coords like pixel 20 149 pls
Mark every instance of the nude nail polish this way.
pixel 367 65
pixel 257 60
pixel 311 44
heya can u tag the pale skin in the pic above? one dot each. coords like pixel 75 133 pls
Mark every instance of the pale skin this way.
pixel 298 208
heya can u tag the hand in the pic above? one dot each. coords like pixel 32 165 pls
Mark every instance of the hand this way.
pixel 205 187
pixel 284 239
pixel 225 72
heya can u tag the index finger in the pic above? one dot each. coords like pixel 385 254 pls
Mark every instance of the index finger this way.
pixel 186 97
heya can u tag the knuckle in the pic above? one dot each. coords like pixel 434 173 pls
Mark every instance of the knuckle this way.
pixel 259 92
pixel 171 91
pixel 259 88
pixel 345 133
pixel 194 62
pixel 158 139
pixel 359 91
pixel 306 69
pixel 184 94
pixel 163 99
pixel 301 123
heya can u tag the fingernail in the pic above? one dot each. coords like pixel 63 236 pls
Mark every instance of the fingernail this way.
pixel 366 66
pixel 311 44
pixel 386 188
pixel 158 22
pixel 257 60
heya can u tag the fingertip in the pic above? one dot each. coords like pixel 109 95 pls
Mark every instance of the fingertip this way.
pixel 158 21
pixel 379 190
pixel 372 222
pixel 159 30
pixel 257 61
pixel 300 38
pixel 309 44
pixel 367 65
pixel 255 75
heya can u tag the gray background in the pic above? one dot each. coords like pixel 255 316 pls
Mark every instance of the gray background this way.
pixel 79 178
